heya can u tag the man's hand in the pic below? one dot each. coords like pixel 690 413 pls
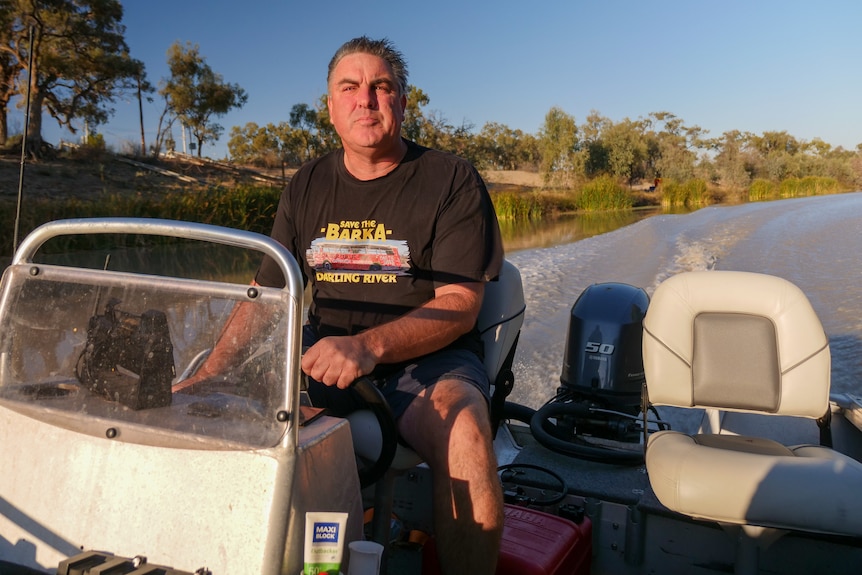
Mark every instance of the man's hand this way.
pixel 338 361
pixel 425 329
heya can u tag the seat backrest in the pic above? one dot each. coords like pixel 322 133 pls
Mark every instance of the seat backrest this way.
pixel 501 318
pixel 737 341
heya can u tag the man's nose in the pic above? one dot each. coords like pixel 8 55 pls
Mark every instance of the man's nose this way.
pixel 367 97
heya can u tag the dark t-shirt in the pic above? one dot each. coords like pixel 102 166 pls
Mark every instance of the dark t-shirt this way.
pixel 374 250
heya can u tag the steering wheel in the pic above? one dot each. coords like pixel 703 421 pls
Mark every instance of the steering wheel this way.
pixel 373 398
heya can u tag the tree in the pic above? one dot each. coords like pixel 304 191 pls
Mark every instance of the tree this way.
pixel 328 138
pixel 627 150
pixel 195 93
pixel 80 60
pixel 415 125
pixel 499 147
pixel 303 119
pixel 676 145
pixel 558 146
pixel 732 162
pixel 10 68
pixel 249 143
pixel 142 89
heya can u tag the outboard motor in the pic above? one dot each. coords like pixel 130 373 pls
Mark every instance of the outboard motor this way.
pixel 602 378
pixel 603 358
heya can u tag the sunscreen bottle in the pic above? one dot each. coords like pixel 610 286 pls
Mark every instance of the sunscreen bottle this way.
pixel 324 542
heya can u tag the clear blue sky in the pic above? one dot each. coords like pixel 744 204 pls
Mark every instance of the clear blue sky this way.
pixel 763 65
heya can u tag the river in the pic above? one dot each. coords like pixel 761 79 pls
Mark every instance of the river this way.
pixel 814 242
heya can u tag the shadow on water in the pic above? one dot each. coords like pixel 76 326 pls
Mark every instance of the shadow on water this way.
pixel 225 263
pixel 568 228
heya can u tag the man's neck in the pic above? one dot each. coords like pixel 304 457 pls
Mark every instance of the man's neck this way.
pixel 371 164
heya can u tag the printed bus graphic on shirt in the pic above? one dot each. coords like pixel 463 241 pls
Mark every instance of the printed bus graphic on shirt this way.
pixel 373 256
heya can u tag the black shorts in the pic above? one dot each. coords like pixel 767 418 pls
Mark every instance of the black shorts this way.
pixel 403 383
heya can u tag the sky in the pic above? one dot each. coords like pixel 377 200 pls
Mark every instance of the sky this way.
pixel 752 66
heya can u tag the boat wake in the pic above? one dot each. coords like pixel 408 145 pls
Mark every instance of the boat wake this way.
pixel 814 242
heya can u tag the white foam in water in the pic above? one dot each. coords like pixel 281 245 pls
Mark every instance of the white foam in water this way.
pixel 815 243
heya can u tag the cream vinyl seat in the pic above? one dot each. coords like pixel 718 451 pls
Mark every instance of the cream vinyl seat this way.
pixel 750 343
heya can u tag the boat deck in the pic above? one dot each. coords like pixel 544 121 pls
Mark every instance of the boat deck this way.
pixel 632 531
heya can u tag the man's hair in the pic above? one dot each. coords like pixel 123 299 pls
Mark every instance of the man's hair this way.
pixel 382 49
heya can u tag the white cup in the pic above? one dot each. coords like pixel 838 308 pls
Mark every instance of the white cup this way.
pixel 365 557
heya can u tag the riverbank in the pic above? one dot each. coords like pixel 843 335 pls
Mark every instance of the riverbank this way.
pixel 91 184
pixel 92 176
pixel 89 177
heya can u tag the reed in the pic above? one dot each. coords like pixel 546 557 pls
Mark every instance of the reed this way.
pixel 761 189
pixel 692 193
pixel 518 207
pixel 808 186
pixel 604 194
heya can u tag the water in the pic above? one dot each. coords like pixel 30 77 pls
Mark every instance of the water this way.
pixel 814 242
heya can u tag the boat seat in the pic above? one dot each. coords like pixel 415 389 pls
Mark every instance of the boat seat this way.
pixel 748 343
pixel 499 324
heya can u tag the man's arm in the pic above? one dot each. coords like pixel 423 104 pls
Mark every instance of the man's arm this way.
pixel 243 324
pixel 428 328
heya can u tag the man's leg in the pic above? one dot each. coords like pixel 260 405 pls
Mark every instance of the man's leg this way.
pixel 448 426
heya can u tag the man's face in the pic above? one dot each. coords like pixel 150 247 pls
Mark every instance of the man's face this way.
pixel 364 104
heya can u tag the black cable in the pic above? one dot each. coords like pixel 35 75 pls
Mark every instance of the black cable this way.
pixel 564 489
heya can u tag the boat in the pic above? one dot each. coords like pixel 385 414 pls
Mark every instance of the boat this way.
pixel 655 455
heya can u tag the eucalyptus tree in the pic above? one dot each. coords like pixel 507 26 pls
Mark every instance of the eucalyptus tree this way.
pixel 458 140
pixel 195 93
pixel 142 89
pixel 304 121
pixel 501 148
pixel 558 147
pixel 626 149
pixel 415 125
pixel 328 139
pixel 10 67
pixel 592 147
pixel 430 129
pixel 677 146
pixel 252 144
pixel 78 64
pixel 735 164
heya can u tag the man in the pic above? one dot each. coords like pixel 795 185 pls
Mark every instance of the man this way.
pixel 397 241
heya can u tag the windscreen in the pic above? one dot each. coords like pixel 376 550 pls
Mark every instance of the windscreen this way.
pixel 101 352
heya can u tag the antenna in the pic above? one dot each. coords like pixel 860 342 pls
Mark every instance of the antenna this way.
pixel 23 147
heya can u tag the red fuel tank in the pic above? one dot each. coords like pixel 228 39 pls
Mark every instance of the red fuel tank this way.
pixel 534 543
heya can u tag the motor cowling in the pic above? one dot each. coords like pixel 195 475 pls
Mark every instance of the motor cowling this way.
pixel 595 414
pixel 603 358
